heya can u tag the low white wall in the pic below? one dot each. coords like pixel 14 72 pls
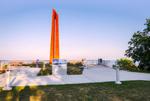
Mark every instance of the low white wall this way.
pixel 108 63
pixel 24 71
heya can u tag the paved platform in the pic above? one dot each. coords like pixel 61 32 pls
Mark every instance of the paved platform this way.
pixel 90 75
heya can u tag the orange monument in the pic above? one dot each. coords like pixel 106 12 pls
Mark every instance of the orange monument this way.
pixel 54 50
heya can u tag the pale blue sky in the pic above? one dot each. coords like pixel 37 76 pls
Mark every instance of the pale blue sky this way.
pixel 88 28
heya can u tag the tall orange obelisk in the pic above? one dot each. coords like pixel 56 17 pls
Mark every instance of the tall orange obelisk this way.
pixel 54 51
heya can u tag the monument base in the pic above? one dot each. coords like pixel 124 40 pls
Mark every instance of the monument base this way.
pixel 59 67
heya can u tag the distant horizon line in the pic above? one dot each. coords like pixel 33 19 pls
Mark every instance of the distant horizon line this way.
pixel 48 60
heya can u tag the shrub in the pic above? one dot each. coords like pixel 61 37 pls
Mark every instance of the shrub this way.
pixel 72 70
pixel 126 64
pixel 40 65
pixel 78 64
pixel 5 66
pixel 30 65
pixel 45 71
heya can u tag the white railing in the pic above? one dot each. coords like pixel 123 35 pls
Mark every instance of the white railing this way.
pixel 108 63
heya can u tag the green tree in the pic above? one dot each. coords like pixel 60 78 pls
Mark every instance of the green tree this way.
pixel 139 47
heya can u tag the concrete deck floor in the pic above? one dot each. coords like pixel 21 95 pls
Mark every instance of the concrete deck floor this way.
pixel 90 75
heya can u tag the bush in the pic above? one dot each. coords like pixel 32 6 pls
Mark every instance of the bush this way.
pixel 45 71
pixel 72 70
pixel 30 65
pixel 78 64
pixel 126 64
pixel 40 65
pixel 5 66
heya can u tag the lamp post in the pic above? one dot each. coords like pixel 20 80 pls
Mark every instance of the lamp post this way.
pixel 116 67
pixel 7 86
pixel 117 76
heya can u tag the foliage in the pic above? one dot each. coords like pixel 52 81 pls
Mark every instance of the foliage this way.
pixel 32 64
pixel 126 64
pixel 139 47
pixel 73 70
pixel 5 66
pixel 128 91
pixel 40 65
pixel 77 64
pixel 45 70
